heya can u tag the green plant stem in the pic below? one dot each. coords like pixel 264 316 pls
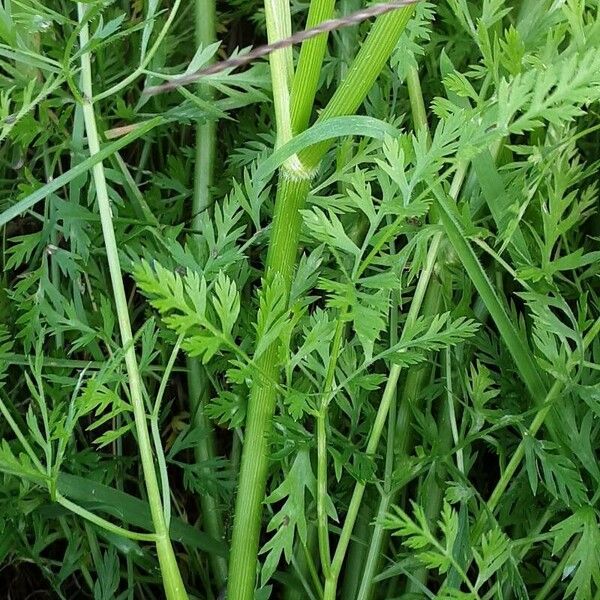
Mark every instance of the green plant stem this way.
pixel 322 519
pixel 380 419
pixel 536 424
pixel 417 103
pixel 100 522
pixel 359 488
pixel 303 93
pixel 261 407
pixel 305 569
pixel 308 71
pixel 293 188
pixel 22 439
pixel 54 266
pixel 365 69
pixel 172 581
pixel 357 550
pixel 83 167
pixel 348 38
pixel 414 381
pixel 557 574
pixel 204 451
pixel 279 26
pixel 356 555
pixel 312 569
pixel 409 396
pixel 155 430
pixel 412 384
pixel 144 61
pixel 346 50
pixel 430 493
pixel 460 459
pixel 198 392
pixel 519 453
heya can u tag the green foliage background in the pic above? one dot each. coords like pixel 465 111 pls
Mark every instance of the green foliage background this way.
pixel 441 325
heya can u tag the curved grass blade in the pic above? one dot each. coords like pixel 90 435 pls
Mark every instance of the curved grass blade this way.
pixel 326 130
pixel 29 201
pixel 517 346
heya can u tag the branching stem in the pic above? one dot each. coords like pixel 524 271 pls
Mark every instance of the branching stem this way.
pixel 293 189
pixel 172 581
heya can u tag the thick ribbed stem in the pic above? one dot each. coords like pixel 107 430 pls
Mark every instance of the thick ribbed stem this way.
pixel 281 260
pixel 293 189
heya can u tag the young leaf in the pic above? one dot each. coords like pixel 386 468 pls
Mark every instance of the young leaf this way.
pixel 583 565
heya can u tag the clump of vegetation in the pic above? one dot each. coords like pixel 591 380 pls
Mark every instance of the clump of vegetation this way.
pixel 322 327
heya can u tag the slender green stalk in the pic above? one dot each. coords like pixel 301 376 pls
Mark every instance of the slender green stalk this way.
pixel 155 430
pixel 378 536
pixel 204 161
pixel 204 450
pixel 304 88
pixel 279 26
pixel 359 488
pixel 410 394
pixel 546 406
pixel 430 491
pixel 550 584
pixel 460 459
pixel 145 60
pixel 367 66
pixel 345 52
pixel 348 38
pixel 519 453
pixel 305 569
pixel 308 71
pixel 358 556
pixel 322 520
pixel 414 380
pixel 413 385
pixel 103 523
pixel 172 581
pixel 417 104
pixel 294 184
pixel 35 461
pixel 380 419
pixel 54 266
pixel 309 560
pixel 357 550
